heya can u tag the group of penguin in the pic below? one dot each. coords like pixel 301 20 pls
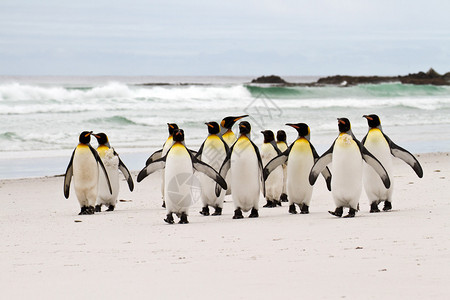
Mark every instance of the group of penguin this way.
pixel 230 164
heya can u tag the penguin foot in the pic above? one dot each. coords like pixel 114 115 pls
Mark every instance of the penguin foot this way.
pixel 164 204
pixel 374 207
pixel 183 219
pixel 276 203
pixel 98 208
pixel 351 213
pixel 169 219
pixel 110 208
pixel 90 210
pixel 292 209
pixel 283 198
pixel 238 214
pixel 304 210
pixel 254 213
pixel 218 211
pixel 337 212
pixel 270 203
pixel 205 211
pixel 83 211
pixel 387 205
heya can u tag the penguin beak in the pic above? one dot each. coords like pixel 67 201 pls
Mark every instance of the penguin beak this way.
pixel 88 134
pixel 170 125
pixel 292 125
pixel 209 125
pixel 238 118
pixel 368 118
pixel 340 121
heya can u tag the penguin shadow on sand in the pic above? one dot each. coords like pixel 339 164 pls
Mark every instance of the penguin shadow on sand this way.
pixel 95 174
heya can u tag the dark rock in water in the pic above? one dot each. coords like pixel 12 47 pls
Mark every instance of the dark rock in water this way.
pixel 272 79
pixel 431 77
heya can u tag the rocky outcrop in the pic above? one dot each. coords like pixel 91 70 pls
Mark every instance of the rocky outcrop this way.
pixel 430 77
pixel 272 79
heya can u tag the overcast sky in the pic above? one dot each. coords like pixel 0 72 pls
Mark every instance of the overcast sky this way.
pixel 298 37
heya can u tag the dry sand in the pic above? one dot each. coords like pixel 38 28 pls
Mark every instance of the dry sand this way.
pixel 49 252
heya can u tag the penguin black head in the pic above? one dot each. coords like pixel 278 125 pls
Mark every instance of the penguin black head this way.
pixel 178 135
pixel 102 138
pixel 228 122
pixel 281 136
pixel 373 121
pixel 268 136
pixel 344 125
pixel 85 137
pixel 172 127
pixel 244 127
pixel 302 128
pixel 213 127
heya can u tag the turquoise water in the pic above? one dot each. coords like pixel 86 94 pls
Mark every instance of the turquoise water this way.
pixel 42 117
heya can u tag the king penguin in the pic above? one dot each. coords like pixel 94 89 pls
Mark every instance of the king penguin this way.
pixel 113 164
pixel 179 164
pixel 227 134
pixel 347 155
pixel 274 183
pixel 212 152
pixel 300 157
pixel 383 148
pixel 282 145
pixel 83 167
pixel 244 162
pixel 160 153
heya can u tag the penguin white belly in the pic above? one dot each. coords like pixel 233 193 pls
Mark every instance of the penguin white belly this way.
pixel 85 176
pixel 347 168
pixel 245 178
pixel 111 163
pixel 274 183
pixel 178 180
pixel 213 154
pixel 373 185
pixel 301 160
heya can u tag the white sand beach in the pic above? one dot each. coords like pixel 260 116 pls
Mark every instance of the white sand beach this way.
pixel 49 252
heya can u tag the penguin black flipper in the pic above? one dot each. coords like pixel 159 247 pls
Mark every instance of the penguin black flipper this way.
pixel 275 146
pixel 276 161
pixel 152 167
pixel 155 155
pixel 320 164
pixel 261 168
pixel 126 173
pixel 374 163
pixel 224 169
pixel 200 151
pixel 209 171
pixel 99 161
pixel 68 176
pixel 326 172
pixel 404 155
